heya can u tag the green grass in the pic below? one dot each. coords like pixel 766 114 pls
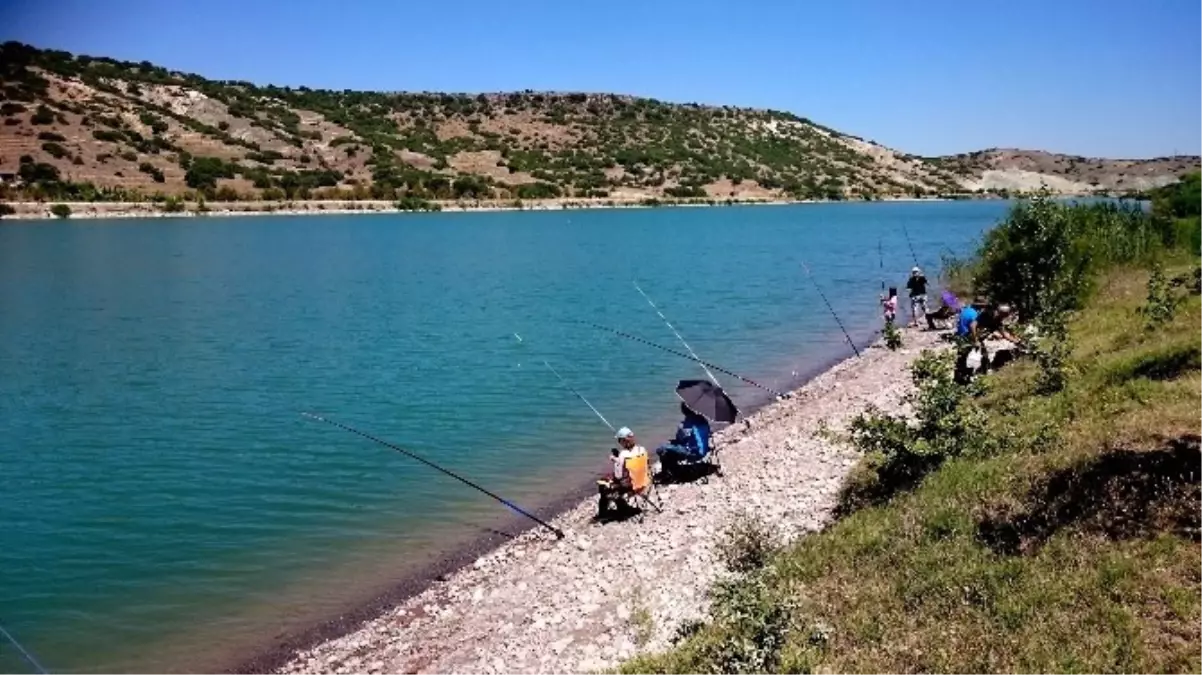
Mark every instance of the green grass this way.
pixel 1073 545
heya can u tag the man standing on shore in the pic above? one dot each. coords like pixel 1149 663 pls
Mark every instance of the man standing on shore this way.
pixel 917 285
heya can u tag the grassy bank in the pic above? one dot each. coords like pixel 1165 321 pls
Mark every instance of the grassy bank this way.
pixel 1044 519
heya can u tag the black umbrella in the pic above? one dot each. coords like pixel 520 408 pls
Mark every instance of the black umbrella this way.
pixel 708 400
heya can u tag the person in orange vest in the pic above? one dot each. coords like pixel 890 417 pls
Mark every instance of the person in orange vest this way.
pixel 611 488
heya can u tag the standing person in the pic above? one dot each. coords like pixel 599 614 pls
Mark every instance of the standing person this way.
pixel 917 285
pixel 692 442
pixel 611 488
pixel 890 305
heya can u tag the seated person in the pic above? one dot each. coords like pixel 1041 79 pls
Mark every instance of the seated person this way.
pixel 951 306
pixel 692 441
pixel 612 489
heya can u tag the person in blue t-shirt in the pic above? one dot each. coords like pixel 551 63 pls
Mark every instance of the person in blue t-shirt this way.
pixel 692 442
pixel 968 338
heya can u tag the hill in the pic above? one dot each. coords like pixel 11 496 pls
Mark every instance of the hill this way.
pixel 80 128
pixel 1023 170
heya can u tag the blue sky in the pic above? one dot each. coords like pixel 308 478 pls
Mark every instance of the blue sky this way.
pixel 1091 77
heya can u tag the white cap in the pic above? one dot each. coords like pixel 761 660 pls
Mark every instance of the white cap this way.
pixel 624 432
pixel 915 269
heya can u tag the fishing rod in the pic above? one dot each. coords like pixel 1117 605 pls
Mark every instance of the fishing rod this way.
pixel 675 332
pixel 909 243
pixel 828 306
pixel 22 651
pixel 720 369
pixel 432 465
pixel 569 388
pixel 880 253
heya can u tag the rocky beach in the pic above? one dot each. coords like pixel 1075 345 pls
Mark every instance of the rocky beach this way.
pixel 609 591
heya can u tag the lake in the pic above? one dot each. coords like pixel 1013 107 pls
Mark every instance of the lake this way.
pixel 164 506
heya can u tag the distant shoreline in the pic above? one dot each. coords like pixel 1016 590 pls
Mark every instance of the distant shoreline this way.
pixel 105 210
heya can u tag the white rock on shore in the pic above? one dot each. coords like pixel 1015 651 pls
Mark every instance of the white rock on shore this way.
pixel 537 605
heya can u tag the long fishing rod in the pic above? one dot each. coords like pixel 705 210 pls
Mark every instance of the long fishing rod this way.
pixel 432 465
pixel 909 243
pixel 682 355
pixel 571 389
pixel 675 332
pixel 22 651
pixel 880 253
pixel 828 306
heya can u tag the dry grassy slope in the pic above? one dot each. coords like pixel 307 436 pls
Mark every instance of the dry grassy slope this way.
pixel 524 144
pixel 1012 169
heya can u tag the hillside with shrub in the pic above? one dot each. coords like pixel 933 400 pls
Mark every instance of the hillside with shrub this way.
pixel 80 128
pixel 1045 517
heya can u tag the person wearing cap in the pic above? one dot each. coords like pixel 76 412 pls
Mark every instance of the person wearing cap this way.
pixel 693 441
pixel 613 485
pixel 917 285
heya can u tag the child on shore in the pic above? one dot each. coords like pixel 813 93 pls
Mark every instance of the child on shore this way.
pixel 890 305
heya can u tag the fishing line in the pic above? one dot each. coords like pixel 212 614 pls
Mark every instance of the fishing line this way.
pixel 517 509
pixel 909 243
pixel 682 355
pixel 675 332
pixel 828 306
pixel 569 388
pixel 24 653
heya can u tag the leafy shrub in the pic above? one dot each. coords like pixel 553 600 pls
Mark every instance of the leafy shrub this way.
pixel 747 544
pixel 38 172
pixel 412 203
pixel 61 211
pixel 152 170
pixel 7 210
pixel 1162 302
pixel 51 136
pixel 1043 256
pixel 223 125
pixel 173 205
pixel 42 115
pixel 899 452
pixel 108 135
pixel 129 156
pixel 893 338
pixel 8 109
pixel 55 150
pixel 203 172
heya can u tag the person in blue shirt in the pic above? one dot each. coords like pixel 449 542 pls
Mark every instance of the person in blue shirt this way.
pixel 692 442
pixel 968 338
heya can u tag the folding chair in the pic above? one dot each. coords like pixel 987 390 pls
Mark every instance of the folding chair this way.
pixel 642 492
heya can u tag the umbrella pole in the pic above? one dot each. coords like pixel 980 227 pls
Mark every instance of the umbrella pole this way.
pixel 432 465
pixel 675 332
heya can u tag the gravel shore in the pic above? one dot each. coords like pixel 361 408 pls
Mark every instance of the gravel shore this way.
pixel 608 591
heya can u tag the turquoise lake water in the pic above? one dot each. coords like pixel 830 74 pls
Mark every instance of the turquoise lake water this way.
pixel 163 506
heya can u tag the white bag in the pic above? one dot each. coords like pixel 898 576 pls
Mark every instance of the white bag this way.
pixel 973 361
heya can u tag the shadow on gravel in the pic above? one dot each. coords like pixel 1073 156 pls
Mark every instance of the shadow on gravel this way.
pixel 1122 494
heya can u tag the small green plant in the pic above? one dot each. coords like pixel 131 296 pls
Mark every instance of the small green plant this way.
pixel 60 211
pixel 893 338
pixel 642 625
pixel 173 205
pixel 1162 302
pixel 747 544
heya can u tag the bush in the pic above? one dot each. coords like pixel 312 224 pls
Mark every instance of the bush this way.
pixel 51 136
pixel 223 125
pixel 899 452
pixel 1162 301
pixel 153 171
pixel 747 544
pixel 108 135
pixel 893 338
pixel 8 109
pixel 173 205
pixel 1042 258
pixel 61 211
pixel 55 150
pixel 7 210
pixel 203 172
pixel 43 115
